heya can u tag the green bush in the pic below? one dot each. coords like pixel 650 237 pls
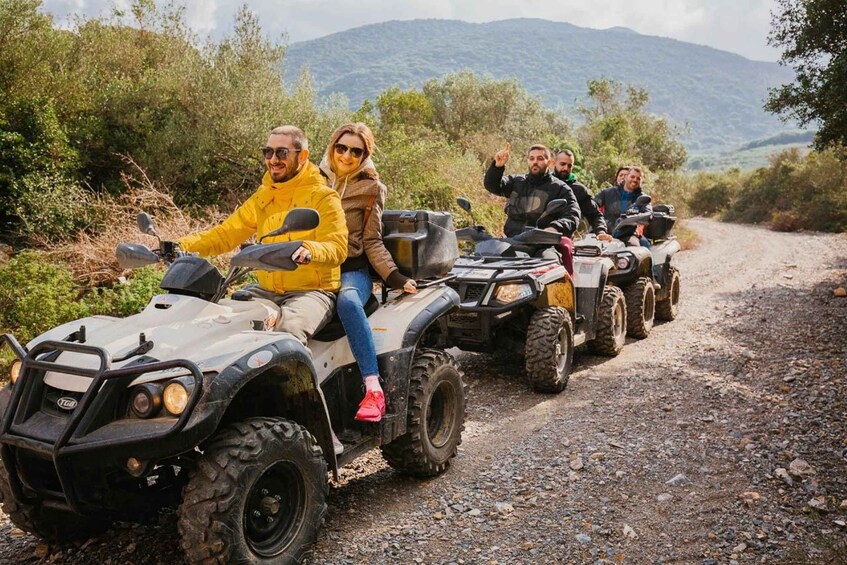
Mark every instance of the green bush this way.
pixel 796 191
pixel 36 295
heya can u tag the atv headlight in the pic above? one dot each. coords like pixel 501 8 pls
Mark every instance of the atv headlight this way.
pixel 176 396
pixel 507 293
pixel 15 371
pixel 146 400
pixel 622 262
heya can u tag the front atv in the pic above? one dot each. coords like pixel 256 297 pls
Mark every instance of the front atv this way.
pixel 196 402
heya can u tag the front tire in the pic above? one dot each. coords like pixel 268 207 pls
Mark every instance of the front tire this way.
pixel 640 307
pixel 549 349
pixel 436 416
pixel 611 323
pixel 46 523
pixel 668 309
pixel 258 495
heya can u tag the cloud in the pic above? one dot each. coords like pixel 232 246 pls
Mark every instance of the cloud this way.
pixel 740 27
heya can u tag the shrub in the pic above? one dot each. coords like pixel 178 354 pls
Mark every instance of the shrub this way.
pixel 36 295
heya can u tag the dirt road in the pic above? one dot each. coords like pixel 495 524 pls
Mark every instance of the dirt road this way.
pixel 721 438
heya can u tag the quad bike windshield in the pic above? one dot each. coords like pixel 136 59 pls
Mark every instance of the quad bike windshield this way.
pixel 527 242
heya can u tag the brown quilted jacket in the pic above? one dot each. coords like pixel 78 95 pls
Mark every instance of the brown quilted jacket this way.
pixel 364 243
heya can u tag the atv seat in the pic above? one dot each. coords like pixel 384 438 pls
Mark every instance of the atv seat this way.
pixel 335 329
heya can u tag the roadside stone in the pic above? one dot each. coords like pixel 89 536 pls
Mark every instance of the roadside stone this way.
pixel 750 498
pixel 781 473
pixel 628 532
pixel 664 497
pixel 504 508
pixel 576 464
pixel 799 468
pixel 840 291
pixel 818 503
pixel 41 550
pixel 584 539
pixel 678 480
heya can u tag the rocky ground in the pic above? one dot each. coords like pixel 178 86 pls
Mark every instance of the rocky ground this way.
pixel 719 439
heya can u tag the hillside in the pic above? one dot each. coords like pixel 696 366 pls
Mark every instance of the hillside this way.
pixel 719 94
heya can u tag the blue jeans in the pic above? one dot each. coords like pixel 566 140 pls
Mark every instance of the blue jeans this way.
pixel 356 287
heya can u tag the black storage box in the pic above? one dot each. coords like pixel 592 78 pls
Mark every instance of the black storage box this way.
pixel 422 243
pixel 660 226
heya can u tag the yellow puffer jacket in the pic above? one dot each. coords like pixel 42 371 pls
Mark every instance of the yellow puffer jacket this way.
pixel 265 211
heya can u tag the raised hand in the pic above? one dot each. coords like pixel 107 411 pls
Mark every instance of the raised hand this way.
pixel 502 156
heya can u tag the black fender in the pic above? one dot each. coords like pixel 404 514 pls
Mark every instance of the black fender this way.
pixel 277 379
pixel 447 302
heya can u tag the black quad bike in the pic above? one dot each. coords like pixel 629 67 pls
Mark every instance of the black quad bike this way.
pixel 515 303
pixel 196 402
pixel 647 278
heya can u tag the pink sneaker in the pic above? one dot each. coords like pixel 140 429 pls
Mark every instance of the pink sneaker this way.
pixel 372 407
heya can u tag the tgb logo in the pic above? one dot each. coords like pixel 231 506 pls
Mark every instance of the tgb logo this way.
pixel 67 403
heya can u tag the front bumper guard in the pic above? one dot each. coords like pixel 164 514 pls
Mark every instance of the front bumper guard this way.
pixel 71 441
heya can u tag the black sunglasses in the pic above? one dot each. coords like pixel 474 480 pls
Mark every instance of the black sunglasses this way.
pixel 356 152
pixel 281 152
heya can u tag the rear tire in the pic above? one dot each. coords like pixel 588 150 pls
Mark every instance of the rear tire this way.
pixel 611 323
pixel 640 307
pixel 258 495
pixel 436 416
pixel 549 349
pixel 668 309
pixel 48 524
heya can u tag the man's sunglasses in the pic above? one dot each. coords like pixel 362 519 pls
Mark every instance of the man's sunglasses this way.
pixel 356 152
pixel 281 152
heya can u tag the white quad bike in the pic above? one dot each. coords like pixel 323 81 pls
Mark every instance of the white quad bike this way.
pixel 196 402
pixel 635 269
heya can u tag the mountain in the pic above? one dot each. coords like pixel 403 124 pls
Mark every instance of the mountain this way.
pixel 718 94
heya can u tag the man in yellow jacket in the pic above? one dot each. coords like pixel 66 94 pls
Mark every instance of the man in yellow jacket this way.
pixel 306 296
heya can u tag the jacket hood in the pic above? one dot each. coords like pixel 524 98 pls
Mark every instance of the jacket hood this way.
pixel 307 176
pixel 363 180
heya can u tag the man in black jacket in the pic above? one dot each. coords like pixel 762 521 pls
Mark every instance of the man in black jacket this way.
pixel 563 170
pixel 617 200
pixel 529 193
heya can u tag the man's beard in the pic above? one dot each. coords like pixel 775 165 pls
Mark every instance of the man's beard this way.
pixel 286 176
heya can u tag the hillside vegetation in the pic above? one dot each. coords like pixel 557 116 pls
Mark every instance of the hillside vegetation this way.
pixel 718 95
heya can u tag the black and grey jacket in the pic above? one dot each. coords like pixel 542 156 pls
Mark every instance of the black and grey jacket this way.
pixel 610 199
pixel 587 206
pixel 528 196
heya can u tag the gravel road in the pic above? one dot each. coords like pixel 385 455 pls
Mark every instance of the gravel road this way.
pixel 719 439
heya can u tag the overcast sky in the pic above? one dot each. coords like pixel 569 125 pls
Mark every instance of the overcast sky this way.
pixel 739 26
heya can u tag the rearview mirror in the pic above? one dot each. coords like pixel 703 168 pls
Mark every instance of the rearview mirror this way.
pixel 133 255
pixel 299 219
pixel 145 224
pixel 553 208
pixel 643 200
pixel 464 204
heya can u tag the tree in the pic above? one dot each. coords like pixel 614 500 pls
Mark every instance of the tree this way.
pixel 813 34
pixel 619 131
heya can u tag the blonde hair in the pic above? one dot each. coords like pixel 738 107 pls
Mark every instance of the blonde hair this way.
pixel 358 128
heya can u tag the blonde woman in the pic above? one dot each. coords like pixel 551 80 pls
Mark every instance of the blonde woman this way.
pixel 347 165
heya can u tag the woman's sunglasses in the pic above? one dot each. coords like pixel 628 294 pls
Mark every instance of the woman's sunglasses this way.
pixel 356 152
pixel 281 152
